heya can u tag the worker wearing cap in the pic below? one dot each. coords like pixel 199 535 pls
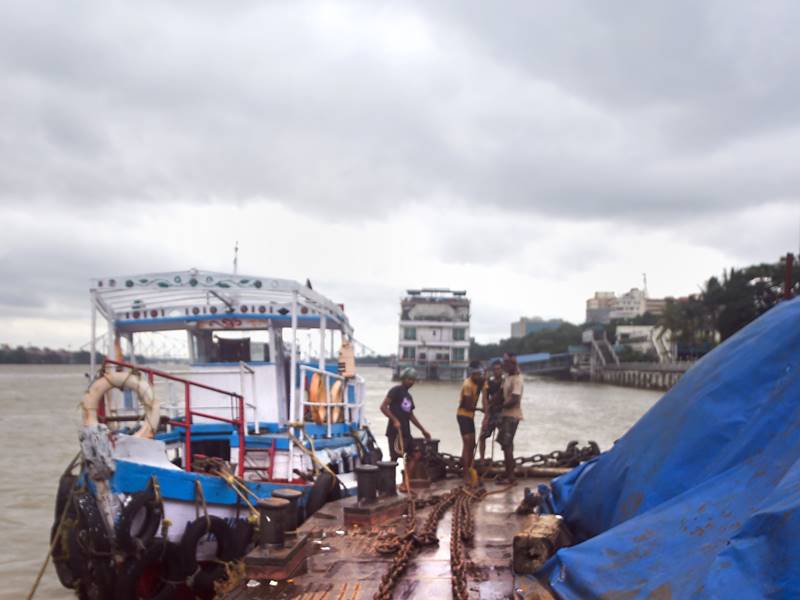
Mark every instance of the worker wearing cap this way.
pixel 465 415
pixel 398 406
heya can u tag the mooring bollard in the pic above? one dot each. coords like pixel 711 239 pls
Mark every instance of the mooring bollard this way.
pixel 387 482
pixel 272 524
pixel 292 519
pixel 367 479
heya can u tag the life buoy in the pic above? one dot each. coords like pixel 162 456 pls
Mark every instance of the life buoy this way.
pixel 317 396
pixel 150 575
pixel 337 396
pixel 202 580
pixel 97 572
pixel 139 521
pixel 124 380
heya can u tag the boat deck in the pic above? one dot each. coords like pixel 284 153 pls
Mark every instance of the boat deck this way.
pixel 345 564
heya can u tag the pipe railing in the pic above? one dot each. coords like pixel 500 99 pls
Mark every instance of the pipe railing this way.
pixel 237 406
pixel 243 370
pixel 348 406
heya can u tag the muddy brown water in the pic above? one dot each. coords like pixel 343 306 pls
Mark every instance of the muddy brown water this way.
pixel 39 421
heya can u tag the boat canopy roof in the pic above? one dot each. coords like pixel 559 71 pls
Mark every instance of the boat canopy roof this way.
pixel 209 300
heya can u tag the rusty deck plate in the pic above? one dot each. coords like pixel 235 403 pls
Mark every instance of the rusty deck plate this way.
pixel 345 565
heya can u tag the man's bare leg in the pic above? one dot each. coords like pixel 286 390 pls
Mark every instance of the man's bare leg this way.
pixel 508 453
pixel 467 453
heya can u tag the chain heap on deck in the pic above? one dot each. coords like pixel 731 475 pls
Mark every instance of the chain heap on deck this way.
pixel 406 546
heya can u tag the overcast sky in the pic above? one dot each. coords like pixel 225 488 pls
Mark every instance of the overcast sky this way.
pixel 530 155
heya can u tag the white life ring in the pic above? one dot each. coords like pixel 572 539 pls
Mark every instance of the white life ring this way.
pixel 124 380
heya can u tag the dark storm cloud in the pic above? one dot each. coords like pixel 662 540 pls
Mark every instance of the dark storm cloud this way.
pixel 646 112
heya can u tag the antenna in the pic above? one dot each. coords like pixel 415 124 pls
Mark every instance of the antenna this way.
pixel 236 258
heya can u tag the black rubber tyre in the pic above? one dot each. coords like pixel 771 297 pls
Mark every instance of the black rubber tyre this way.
pixel 66 559
pixel 326 489
pixel 242 540
pixel 201 580
pixel 135 542
pixel 97 574
pixel 159 555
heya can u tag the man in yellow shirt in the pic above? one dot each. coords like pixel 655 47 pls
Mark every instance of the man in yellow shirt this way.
pixel 465 415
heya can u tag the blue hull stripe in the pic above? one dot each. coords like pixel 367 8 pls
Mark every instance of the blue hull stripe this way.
pixel 131 477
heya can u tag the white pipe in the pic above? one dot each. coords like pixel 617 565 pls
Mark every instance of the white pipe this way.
pixel 293 382
pixel 92 362
pixel 321 366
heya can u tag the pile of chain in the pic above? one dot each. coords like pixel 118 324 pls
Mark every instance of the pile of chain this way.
pixel 571 457
pixel 463 530
pixel 406 546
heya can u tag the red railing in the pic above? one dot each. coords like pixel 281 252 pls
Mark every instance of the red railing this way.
pixel 239 422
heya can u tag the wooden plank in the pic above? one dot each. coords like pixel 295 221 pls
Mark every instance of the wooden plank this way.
pixel 537 541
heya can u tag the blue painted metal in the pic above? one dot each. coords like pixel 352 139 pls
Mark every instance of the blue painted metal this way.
pixel 274 317
pixel 270 431
pixel 701 498
pixel 179 485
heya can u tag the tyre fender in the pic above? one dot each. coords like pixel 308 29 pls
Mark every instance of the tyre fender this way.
pixel 66 553
pixel 161 556
pixel 134 542
pixel 97 573
pixel 199 579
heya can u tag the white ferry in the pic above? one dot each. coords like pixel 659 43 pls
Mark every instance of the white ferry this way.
pixel 161 499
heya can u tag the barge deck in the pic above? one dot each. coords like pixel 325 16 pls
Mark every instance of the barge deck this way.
pixel 344 562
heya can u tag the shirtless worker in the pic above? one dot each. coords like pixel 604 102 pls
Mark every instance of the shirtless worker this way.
pixel 398 406
pixel 510 414
pixel 465 415
pixel 492 402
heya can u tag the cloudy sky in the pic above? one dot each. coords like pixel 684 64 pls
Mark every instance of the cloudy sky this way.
pixel 530 155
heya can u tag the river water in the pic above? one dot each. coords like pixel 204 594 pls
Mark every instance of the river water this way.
pixel 39 421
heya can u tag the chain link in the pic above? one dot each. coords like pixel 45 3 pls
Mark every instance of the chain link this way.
pixel 415 538
pixel 571 457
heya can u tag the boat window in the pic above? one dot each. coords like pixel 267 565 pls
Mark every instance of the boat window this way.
pixel 229 347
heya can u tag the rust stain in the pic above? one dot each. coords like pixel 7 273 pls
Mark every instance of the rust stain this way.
pixel 632 504
pixel 662 592
pixel 621 595
pixel 648 533
pixel 356 591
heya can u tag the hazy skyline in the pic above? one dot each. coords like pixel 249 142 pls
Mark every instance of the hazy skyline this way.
pixel 530 156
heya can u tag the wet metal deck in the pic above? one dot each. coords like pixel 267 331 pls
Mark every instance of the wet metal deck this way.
pixel 346 566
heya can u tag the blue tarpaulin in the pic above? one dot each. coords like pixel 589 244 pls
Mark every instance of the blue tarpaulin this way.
pixel 701 498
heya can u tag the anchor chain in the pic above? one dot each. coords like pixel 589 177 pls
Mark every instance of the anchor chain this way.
pixel 407 545
pixel 571 457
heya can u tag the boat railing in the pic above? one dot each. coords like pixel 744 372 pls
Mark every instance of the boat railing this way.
pixel 243 370
pixel 347 407
pixel 237 408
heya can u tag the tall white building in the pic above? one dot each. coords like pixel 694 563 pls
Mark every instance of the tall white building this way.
pixel 434 333
pixel 630 304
